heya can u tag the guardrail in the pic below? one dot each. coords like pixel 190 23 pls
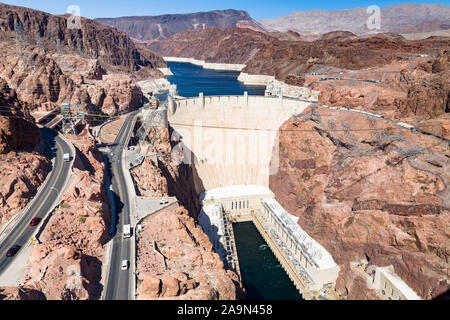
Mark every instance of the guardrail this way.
pixel 13 221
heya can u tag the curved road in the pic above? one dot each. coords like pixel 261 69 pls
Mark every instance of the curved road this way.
pixel 43 202
pixel 118 282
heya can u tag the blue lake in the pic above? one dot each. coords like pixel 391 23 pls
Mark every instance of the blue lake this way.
pixel 192 80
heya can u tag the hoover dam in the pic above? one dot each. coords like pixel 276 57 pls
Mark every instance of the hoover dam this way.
pixel 246 128
pixel 232 144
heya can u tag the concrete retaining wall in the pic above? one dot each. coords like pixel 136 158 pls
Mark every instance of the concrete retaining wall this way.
pixel 255 79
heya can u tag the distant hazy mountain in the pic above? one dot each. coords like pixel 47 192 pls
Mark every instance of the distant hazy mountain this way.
pixel 394 18
pixel 160 27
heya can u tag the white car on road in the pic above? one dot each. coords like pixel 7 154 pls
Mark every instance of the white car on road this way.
pixel 163 202
pixel 125 264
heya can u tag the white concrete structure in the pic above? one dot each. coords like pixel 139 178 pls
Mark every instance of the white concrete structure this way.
pixel 154 86
pixel 207 65
pixel 309 265
pixel 277 88
pixel 166 71
pixel 230 140
pixel 255 79
pixel 391 287
pixel 240 201
pixel 311 259
pixel 215 224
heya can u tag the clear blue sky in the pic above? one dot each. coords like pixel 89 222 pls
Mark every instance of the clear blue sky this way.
pixel 258 9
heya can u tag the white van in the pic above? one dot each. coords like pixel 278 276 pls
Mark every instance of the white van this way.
pixel 127 231
pixel 66 157
pixel 125 264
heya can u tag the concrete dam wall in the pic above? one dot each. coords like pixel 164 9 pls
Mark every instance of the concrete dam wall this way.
pixel 230 140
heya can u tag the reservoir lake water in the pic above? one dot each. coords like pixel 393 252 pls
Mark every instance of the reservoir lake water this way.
pixel 262 275
pixel 192 80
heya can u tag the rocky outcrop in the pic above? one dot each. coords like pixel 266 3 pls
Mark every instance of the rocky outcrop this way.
pixel 17 130
pixel 282 58
pixel 428 88
pixel 338 36
pixel 62 273
pixel 93 40
pixel 67 266
pixel 233 45
pixel 83 217
pixel 161 27
pixel 167 177
pixel 368 191
pixel 59 64
pixel 420 91
pixel 182 264
pixel 21 174
pixel 22 168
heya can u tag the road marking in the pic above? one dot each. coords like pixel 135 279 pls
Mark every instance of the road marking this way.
pixel 42 202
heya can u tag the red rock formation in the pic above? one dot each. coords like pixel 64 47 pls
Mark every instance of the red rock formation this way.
pixel 167 178
pixel 68 264
pixel 190 270
pixel 17 130
pixel 49 63
pixel 21 174
pixel 366 190
pixel 234 45
pixel 281 58
pixel 83 217
pixel 93 40
pixel 62 273
pixel 420 91
pixel 21 170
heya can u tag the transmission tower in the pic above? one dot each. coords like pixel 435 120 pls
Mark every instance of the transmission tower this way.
pixel 19 33
pixel 150 119
pixel 71 114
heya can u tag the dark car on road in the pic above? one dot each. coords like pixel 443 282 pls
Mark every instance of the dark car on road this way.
pixel 35 221
pixel 12 251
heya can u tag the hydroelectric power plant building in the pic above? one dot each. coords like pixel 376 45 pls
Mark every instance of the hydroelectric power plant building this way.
pixel 307 263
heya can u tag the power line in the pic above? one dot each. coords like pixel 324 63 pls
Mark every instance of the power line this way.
pixel 293 130
pixel 108 117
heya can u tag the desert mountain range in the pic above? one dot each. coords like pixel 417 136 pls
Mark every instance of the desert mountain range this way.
pixel 398 18
pixel 161 27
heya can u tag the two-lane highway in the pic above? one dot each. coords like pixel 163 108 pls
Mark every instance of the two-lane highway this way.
pixel 43 202
pixel 119 282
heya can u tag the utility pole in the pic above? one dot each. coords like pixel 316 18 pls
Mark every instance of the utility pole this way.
pixel 437 48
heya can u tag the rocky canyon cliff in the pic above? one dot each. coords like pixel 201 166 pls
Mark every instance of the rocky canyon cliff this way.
pixel 368 191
